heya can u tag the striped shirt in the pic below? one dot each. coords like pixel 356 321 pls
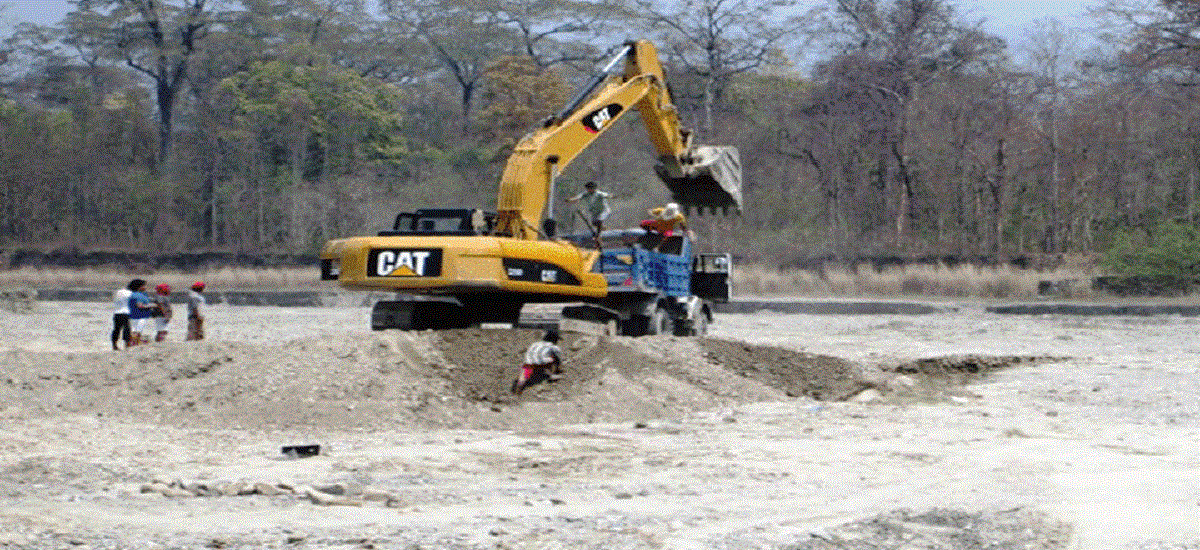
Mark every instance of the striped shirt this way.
pixel 542 353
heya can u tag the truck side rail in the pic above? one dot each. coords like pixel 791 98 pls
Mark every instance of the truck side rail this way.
pixel 637 268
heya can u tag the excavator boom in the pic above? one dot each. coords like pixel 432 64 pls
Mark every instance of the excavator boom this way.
pixel 698 176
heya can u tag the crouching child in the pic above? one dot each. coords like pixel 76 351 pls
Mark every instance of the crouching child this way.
pixel 543 361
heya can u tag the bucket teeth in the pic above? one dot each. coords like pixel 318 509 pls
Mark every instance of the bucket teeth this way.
pixel 709 178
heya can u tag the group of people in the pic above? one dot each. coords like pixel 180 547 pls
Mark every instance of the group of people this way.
pixel 663 220
pixel 136 313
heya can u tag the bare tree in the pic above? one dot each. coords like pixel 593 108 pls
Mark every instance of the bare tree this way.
pixel 547 32
pixel 1052 53
pixel 442 26
pixel 1163 34
pixel 557 32
pixel 158 38
pixel 889 54
pixel 717 40
pixel 1159 55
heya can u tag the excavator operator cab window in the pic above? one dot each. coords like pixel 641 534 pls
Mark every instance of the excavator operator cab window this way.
pixel 441 221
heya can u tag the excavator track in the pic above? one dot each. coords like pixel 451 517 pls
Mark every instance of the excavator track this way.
pixel 440 313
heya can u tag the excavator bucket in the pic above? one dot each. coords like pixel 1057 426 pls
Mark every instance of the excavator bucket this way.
pixel 708 177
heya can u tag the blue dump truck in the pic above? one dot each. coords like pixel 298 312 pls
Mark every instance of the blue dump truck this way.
pixel 656 284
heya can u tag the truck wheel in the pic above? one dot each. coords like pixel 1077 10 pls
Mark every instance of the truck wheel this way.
pixel 660 322
pixel 682 328
pixel 636 325
pixel 700 325
pixel 692 327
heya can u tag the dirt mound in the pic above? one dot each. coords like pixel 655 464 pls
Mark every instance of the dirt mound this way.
pixel 606 379
pixel 454 378
pixel 948 529
pixel 457 378
pixel 961 369
pixel 316 381
pixel 935 379
pixel 484 363
pixel 796 373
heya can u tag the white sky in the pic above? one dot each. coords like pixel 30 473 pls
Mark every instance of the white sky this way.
pixel 1012 19
pixel 1008 18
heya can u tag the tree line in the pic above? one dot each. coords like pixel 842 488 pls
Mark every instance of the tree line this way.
pixel 866 127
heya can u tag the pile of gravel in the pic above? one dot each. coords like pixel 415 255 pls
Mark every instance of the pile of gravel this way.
pixel 453 378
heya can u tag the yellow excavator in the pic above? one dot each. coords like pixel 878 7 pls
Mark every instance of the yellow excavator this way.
pixel 458 267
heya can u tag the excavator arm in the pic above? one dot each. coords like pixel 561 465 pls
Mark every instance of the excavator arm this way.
pixel 698 176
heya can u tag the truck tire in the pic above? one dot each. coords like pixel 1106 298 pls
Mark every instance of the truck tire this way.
pixel 636 325
pixel 660 322
pixel 692 327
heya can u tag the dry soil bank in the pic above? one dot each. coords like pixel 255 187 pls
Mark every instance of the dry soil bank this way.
pixel 1083 434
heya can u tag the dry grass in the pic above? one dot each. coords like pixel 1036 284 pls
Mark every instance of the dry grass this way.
pixel 750 280
pixel 962 281
pixel 290 278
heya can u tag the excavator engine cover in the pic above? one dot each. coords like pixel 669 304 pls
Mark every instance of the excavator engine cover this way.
pixel 708 177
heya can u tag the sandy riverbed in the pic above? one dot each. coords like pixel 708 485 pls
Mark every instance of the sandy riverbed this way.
pixel 1083 435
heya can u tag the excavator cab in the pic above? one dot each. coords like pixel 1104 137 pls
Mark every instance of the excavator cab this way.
pixel 441 222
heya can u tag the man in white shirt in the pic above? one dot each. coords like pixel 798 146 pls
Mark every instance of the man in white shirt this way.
pixel 196 304
pixel 594 205
pixel 542 356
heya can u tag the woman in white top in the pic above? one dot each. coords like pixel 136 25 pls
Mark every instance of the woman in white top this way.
pixel 121 313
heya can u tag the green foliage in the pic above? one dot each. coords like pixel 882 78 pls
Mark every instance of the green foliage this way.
pixel 299 120
pixel 1171 249
pixel 320 114
pixel 518 95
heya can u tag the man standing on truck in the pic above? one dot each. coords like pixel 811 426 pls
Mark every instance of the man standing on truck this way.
pixel 595 205
pixel 542 356
pixel 665 219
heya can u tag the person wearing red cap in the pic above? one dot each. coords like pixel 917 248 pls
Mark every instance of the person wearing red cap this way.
pixel 196 304
pixel 162 311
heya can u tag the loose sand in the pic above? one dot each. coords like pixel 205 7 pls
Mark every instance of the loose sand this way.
pixel 953 430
